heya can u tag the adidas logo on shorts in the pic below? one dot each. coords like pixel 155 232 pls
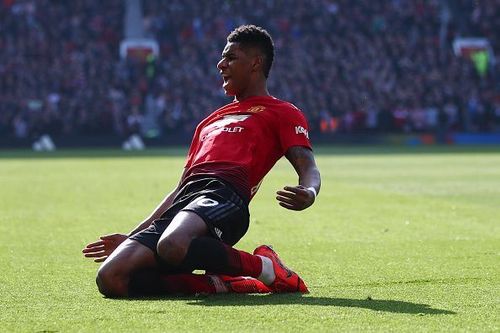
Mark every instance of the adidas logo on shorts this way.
pixel 218 232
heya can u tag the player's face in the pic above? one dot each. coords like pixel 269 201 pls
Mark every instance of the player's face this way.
pixel 235 68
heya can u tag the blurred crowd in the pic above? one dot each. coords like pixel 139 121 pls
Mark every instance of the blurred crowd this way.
pixel 351 66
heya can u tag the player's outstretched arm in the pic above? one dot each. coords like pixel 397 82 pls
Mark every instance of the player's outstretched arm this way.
pixel 301 196
pixel 101 249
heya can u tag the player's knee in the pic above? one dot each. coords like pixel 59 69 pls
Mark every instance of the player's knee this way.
pixel 172 250
pixel 111 284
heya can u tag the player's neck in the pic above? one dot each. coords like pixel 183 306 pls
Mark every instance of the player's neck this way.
pixel 256 90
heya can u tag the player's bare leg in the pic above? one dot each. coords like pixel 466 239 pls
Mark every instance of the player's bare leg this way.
pixel 114 275
pixel 176 239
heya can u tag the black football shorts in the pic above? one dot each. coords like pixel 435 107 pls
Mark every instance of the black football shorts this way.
pixel 216 202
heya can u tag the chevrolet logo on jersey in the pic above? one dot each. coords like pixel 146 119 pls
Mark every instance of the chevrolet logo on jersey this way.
pixel 231 118
pixel 224 125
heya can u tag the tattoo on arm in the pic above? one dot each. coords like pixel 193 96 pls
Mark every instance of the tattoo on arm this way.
pixel 300 157
pixel 304 164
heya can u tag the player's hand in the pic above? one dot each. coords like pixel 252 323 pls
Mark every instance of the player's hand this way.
pixel 295 197
pixel 101 249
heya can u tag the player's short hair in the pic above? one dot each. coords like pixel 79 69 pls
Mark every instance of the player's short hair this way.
pixel 257 37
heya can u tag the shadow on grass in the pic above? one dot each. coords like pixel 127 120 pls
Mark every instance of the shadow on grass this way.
pixel 290 299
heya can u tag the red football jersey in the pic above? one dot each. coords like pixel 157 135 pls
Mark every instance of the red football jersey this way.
pixel 240 142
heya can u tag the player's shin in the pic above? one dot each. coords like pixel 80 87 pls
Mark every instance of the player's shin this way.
pixel 214 256
pixel 153 283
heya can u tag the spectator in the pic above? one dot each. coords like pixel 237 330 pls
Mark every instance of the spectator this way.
pixel 351 66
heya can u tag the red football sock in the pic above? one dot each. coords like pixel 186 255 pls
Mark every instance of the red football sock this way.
pixel 243 262
pixel 189 284
pixel 150 282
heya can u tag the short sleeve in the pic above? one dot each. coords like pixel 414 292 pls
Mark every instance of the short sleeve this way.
pixel 294 130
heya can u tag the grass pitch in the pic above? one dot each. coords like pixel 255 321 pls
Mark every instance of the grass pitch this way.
pixel 399 240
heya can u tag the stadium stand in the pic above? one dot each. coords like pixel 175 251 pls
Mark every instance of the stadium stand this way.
pixel 367 66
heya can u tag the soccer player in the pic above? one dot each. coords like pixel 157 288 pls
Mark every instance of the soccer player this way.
pixel 197 224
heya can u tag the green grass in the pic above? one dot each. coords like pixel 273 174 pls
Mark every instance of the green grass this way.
pixel 399 240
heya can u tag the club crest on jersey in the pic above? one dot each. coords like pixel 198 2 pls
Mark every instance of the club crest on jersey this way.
pixel 301 130
pixel 256 109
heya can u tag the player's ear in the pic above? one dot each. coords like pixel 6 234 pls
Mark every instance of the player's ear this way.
pixel 257 62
